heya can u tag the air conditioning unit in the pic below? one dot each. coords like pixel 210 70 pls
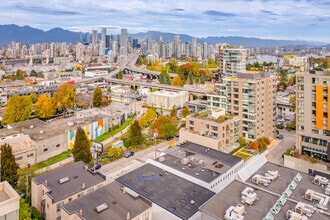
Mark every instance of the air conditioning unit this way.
pixel 320 180
pixel 235 212
pixel 248 196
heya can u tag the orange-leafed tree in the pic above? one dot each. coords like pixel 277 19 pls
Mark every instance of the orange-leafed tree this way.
pixel 254 145
pixel 165 125
pixel 176 81
pixel 44 107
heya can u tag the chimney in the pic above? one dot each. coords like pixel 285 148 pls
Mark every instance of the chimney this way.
pixel 83 186
pixel 46 182
pixel 128 217
pixel 80 212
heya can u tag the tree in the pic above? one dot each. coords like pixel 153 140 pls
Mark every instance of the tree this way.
pixel 44 107
pixel 176 81
pixel 65 97
pixel 174 111
pixel 97 99
pixel 33 97
pixel 185 111
pixel 191 78
pixel 201 79
pixel 148 117
pixel 19 108
pixel 292 101
pixel 242 141
pixel 120 75
pixel 81 150
pixel 262 146
pixel 164 77
pixel 9 167
pixel 253 145
pixel 115 152
pixel 165 125
pixel 136 134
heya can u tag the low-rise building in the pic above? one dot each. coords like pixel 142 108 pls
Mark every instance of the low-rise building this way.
pixel 50 191
pixel 9 202
pixel 216 128
pixel 107 202
pixel 166 100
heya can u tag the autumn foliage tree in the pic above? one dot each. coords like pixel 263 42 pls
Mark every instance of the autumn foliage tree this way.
pixel 65 97
pixel 176 81
pixel 174 111
pixel 9 167
pixel 44 107
pixel 81 149
pixel 148 117
pixel 115 152
pixel 136 134
pixel 97 99
pixel 254 145
pixel 19 108
pixel 185 111
pixel 165 125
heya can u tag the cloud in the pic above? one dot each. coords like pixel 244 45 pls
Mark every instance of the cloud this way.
pixel 268 12
pixel 45 10
pixel 218 13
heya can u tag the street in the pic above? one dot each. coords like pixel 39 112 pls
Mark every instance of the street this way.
pixel 275 153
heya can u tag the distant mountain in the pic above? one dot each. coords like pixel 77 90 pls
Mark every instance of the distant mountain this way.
pixel 29 35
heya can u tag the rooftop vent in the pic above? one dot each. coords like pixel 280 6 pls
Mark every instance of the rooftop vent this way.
pixel 101 207
pixel 64 180
pixel 184 161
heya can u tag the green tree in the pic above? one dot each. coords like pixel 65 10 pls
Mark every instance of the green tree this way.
pixel 9 167
pixel 262 146
pixel 33 97
pixel 174 111
pixel 164 77
pixel 115 152
pixel 190 78
pixel 185 111
pixel 19 108
pixel 44 107
pixel 242 141
pixel 292 101
pixel 65 97
pixel 201 79
pixel 136 134
pixel 97 98
pixel 120 75
pixel 81 149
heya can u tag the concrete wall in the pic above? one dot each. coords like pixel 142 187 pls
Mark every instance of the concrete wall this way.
pixel 303 165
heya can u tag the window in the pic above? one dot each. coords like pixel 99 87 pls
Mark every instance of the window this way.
pixel 58 206
pixel 19 158
pixel 46 149
pixel 30 155
pixel 58 145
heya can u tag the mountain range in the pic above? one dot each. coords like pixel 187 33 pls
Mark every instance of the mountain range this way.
pixel 29 35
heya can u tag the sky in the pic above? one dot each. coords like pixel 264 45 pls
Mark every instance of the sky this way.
pixel 267 19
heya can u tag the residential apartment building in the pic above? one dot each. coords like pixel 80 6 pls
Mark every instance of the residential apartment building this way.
pixel 232 60
pixel 251 96
pixel 50 191
pixel 312 114
pixel 218 129
pixel 9 202
pixel 166 100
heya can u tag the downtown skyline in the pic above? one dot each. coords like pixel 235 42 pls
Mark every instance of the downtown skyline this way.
pixel 267 19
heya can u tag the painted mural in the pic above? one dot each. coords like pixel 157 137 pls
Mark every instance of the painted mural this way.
pixel 93 130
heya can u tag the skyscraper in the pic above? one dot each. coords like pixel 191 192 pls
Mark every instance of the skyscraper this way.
pixel 123 41
pixel 104 33
pixel 94 37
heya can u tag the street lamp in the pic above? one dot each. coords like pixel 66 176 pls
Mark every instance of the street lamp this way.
pixel 155 137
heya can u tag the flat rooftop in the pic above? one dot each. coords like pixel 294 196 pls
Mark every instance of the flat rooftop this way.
pixel 267 196
pixel 76 176
pixel 173 193
pixel 198 161
pixel 119 204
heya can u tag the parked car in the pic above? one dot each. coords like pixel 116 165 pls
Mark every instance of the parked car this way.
pixel 129 154
pixel 280 136
pixel 170 138
pixel 96 167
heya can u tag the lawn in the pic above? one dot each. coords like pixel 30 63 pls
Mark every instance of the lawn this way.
pixel 242 155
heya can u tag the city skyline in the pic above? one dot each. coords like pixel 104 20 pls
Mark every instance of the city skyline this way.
pixel 268 19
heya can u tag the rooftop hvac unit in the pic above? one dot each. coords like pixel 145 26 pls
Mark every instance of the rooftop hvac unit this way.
pixel 63 180
pixel 320 180
pixel 272 174
pixel 327 190
pixel 184 161
pixel 291 215
pixel 101 207
pixel 248 196
pixel 258 179
pixel 235 212
pixel 323 200
pixel 304 209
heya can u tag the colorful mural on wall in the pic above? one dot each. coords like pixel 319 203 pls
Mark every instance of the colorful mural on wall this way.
pixel 93 130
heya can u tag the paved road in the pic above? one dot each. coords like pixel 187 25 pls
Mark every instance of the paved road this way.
pixel 275 154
